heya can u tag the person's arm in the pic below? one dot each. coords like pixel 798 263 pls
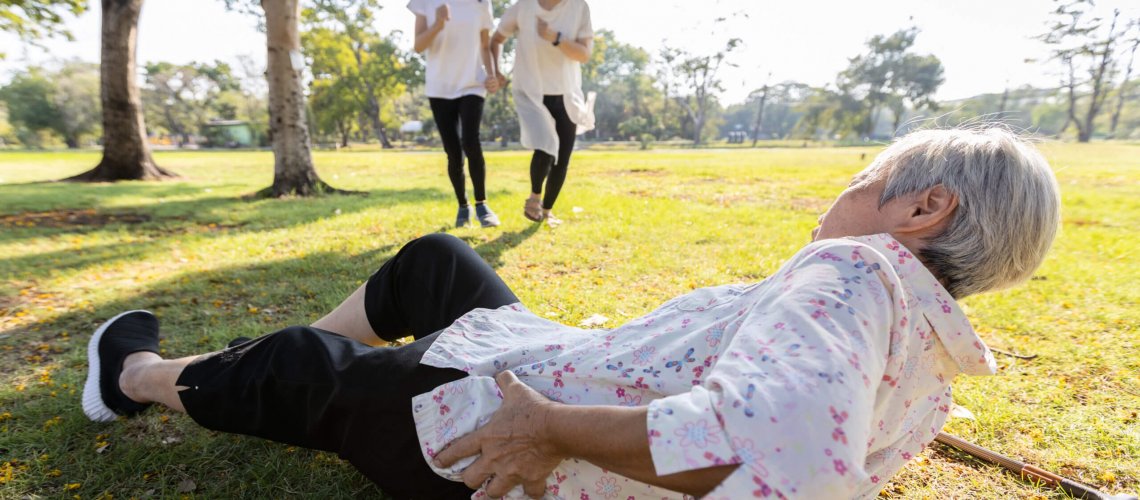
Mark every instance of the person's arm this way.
pixel 495 51
pixel 578 50
pixel 425 35
pixel 489 62
pixel 530 435
pixel 508 26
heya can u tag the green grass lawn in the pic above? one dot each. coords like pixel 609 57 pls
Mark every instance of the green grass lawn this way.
pixel 641 227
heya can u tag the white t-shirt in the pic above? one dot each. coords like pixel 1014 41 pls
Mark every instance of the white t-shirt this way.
pixel 454 59
pixel 570 18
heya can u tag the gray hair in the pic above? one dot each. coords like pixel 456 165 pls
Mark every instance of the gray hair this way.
pixel 1009 205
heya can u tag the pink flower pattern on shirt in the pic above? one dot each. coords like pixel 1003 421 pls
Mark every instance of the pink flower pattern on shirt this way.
pixel 821 381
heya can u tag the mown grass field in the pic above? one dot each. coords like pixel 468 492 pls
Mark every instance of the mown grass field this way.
pixel 641 227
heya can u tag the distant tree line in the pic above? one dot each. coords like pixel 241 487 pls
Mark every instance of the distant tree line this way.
pixel 360 85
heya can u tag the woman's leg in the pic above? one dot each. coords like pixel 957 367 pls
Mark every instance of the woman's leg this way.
pixel 309 388
pixel 147 378
pixel 540 165
pixel 567 134
pixel 314 388
pixel 446 114
pixel 471 117
pixel 430 283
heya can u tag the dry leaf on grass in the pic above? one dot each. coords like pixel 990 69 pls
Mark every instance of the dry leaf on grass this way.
pixel 957 411
pixel 594 321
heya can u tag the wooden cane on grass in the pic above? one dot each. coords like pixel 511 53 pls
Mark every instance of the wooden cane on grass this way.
pixel 1028 472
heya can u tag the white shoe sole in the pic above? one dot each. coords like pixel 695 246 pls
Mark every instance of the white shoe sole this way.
pixel 93 405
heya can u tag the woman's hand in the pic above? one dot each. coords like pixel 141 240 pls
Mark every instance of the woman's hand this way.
pixel 442 15
pixel 492 83
pixel 545 32
pixel 512 446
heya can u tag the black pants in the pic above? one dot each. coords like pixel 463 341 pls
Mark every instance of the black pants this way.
pixel 449 114
pixel 311 388
pixel 544 167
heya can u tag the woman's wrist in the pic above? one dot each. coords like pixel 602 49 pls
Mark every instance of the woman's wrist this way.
pixel 552 440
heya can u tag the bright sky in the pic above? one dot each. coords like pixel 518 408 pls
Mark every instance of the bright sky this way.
pixel 982 43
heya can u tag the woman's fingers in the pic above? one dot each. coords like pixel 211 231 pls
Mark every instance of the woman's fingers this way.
pixel 476 474
pixel 535 489
pixel 465 446
pixel 500 486
pixel 506 380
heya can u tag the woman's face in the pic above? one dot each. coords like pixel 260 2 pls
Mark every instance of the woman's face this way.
pixel 856 211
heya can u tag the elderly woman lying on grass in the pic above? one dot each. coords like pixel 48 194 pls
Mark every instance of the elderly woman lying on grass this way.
pixel 818 382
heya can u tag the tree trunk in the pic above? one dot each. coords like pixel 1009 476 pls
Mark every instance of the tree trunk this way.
pixel 344 131
pixel 172 124
pixel 1096 99
pixel 293 171
pixel 759 118
pixel 1084 134
pixel 373 110
pixel 126 154
pixel 1122 93
pixel 1071 86
pixel 870 122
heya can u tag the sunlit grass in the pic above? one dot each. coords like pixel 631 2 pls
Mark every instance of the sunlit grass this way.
pixel 641 227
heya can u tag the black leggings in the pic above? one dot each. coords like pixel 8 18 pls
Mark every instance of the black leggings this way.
pixel 312 388
pixel 449 114
pixel 542 165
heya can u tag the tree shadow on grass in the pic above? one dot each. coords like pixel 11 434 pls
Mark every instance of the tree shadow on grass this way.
pixel 155 453
pixel 33 266
pixel 208 214
pixel 34 196
pixel 492 251
pixel 159 451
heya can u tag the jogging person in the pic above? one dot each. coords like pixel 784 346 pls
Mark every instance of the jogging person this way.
pixel 454 34
pixel 554 38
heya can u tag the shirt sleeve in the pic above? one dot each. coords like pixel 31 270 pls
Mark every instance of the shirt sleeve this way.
pixel 487 17
pixel 509 23
pixel 418 7
pixel 791 398
pixel 585 25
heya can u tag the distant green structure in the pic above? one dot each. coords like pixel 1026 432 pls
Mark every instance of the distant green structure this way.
pixel 228 134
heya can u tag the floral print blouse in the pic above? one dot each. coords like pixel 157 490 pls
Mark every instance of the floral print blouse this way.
pixel 820 381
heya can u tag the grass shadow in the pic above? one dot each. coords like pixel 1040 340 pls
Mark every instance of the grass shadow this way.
pixel 158 452
pixel 164 218
pixel 492 251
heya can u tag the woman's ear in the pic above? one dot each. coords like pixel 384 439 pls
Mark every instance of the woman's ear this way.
pixel 928 210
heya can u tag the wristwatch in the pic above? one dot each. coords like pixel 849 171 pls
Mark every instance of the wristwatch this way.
pixel 558 39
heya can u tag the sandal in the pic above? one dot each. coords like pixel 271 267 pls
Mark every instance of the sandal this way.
pixel 553 220
pixel 532 210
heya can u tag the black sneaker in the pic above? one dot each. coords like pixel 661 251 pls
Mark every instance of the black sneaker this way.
pixel 463 216
pixel 127 333
pixel 486 217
